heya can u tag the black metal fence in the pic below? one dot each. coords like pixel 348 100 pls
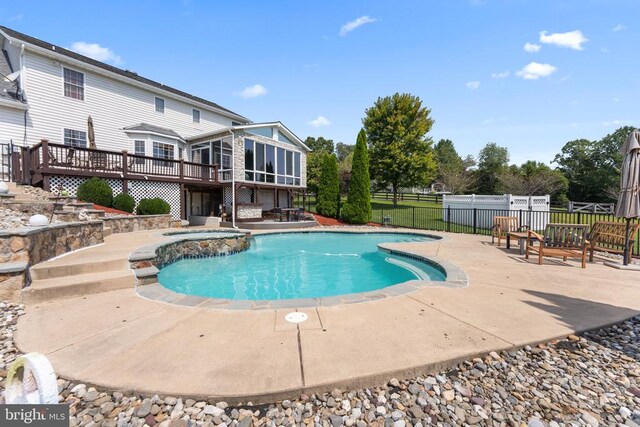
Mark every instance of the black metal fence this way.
pixel 472 221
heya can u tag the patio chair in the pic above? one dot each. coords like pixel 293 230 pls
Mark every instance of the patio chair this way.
pixel 560 240
pixel 277 214
pixel 503 225
pixel 609 236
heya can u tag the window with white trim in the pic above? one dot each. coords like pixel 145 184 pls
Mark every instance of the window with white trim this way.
pixel 163 151
pixel 196 115
pixel 270 164
pixel 75 138
pixel 73 84
pixel 139 149
pixel 159 105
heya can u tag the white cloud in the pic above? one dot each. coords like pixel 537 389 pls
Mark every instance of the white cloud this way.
pixel 532 47
pixel 619 27
pixel 615 123
pixel 495 120
pixel 501 75
pixel 252 91
pixel 97 52
pixel 320 121
pixel 352 25
pixel 473 85
pixel 571 39
pixel 535 70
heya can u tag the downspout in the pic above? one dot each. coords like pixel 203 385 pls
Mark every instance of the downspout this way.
pixel 233 178
pixel 21 87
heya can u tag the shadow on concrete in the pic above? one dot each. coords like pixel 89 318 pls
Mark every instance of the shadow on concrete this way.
pixel 580 315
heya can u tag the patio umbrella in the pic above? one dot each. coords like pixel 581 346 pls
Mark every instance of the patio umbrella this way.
pixel 629 199
pixel 92 134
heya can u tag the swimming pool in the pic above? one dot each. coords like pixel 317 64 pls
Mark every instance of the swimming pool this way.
pixel 300 265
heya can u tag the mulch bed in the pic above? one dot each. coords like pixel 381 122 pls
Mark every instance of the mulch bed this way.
pixel 325 221
pixel 110 210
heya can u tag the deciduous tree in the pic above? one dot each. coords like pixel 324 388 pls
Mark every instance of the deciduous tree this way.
pixel 400 153
pixel 493 161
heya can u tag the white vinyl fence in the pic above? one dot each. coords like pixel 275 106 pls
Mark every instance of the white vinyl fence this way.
pixel 481 209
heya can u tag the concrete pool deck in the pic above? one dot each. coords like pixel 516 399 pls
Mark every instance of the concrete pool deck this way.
pixel 121 341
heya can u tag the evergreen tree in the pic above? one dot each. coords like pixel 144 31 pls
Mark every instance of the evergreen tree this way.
pixel 329 188
pixel 357 210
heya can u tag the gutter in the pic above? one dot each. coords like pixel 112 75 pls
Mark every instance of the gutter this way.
pixel 101 71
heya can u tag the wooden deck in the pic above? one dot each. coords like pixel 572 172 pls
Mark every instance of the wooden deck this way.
pixel 47 159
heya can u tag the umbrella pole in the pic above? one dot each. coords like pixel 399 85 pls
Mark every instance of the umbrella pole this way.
pixel 625 261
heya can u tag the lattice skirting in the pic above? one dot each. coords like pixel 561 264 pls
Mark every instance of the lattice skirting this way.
pixel 168 191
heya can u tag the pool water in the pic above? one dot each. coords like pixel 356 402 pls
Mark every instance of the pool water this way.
pixel 300 265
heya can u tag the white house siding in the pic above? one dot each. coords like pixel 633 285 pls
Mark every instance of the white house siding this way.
pixel 112 104
pixel 11 125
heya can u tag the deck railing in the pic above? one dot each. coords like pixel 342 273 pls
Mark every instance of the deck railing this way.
pixel 47 158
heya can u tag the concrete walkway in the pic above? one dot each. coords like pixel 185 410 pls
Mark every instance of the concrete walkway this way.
pixel 119 340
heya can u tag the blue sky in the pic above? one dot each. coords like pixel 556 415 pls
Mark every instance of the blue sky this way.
pixel 528 75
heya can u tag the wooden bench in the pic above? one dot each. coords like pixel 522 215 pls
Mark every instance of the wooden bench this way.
pixel 502 226
pixel 609 236
pixel 561 240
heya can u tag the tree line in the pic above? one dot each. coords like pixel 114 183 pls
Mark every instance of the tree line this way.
pixel 400 155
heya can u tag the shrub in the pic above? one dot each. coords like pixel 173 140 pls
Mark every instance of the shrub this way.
pixel 124 202
pixel 329 188
pixel 357 209
pixel 96 190
pixel 153 206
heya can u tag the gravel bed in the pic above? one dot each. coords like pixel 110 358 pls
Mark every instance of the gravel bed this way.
pixel 587 380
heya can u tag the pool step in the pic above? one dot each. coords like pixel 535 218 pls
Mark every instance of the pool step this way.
pixel 46 270
pixel 77 285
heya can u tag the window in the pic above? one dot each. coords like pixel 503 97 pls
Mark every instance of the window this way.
pixel 139 150
pixel 270 157
pixel 163 151
pixel 73 84
pixel 180 153
pixel 75 138
pixel 159 105
pixel 274 165
pixel 196 115
pixel 248 159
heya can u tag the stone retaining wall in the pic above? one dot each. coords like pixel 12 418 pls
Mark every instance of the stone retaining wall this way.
pixel 148 260
pixel 127 224
pixel 37 244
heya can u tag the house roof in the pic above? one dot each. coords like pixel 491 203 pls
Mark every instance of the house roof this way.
pixel 148 128
pixel 278 124
pixel 8 90
pixel 119 71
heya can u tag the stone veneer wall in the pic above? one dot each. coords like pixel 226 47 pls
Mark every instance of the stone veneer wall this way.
pixel 36 244
pixel 249 211
pixel 127 224
pixel 200 248
pixel 146 269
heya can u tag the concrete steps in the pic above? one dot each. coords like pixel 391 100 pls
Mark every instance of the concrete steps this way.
pixel 77 285
pixel 45 270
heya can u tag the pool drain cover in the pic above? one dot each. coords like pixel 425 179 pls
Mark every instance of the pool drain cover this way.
pixel 296 317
